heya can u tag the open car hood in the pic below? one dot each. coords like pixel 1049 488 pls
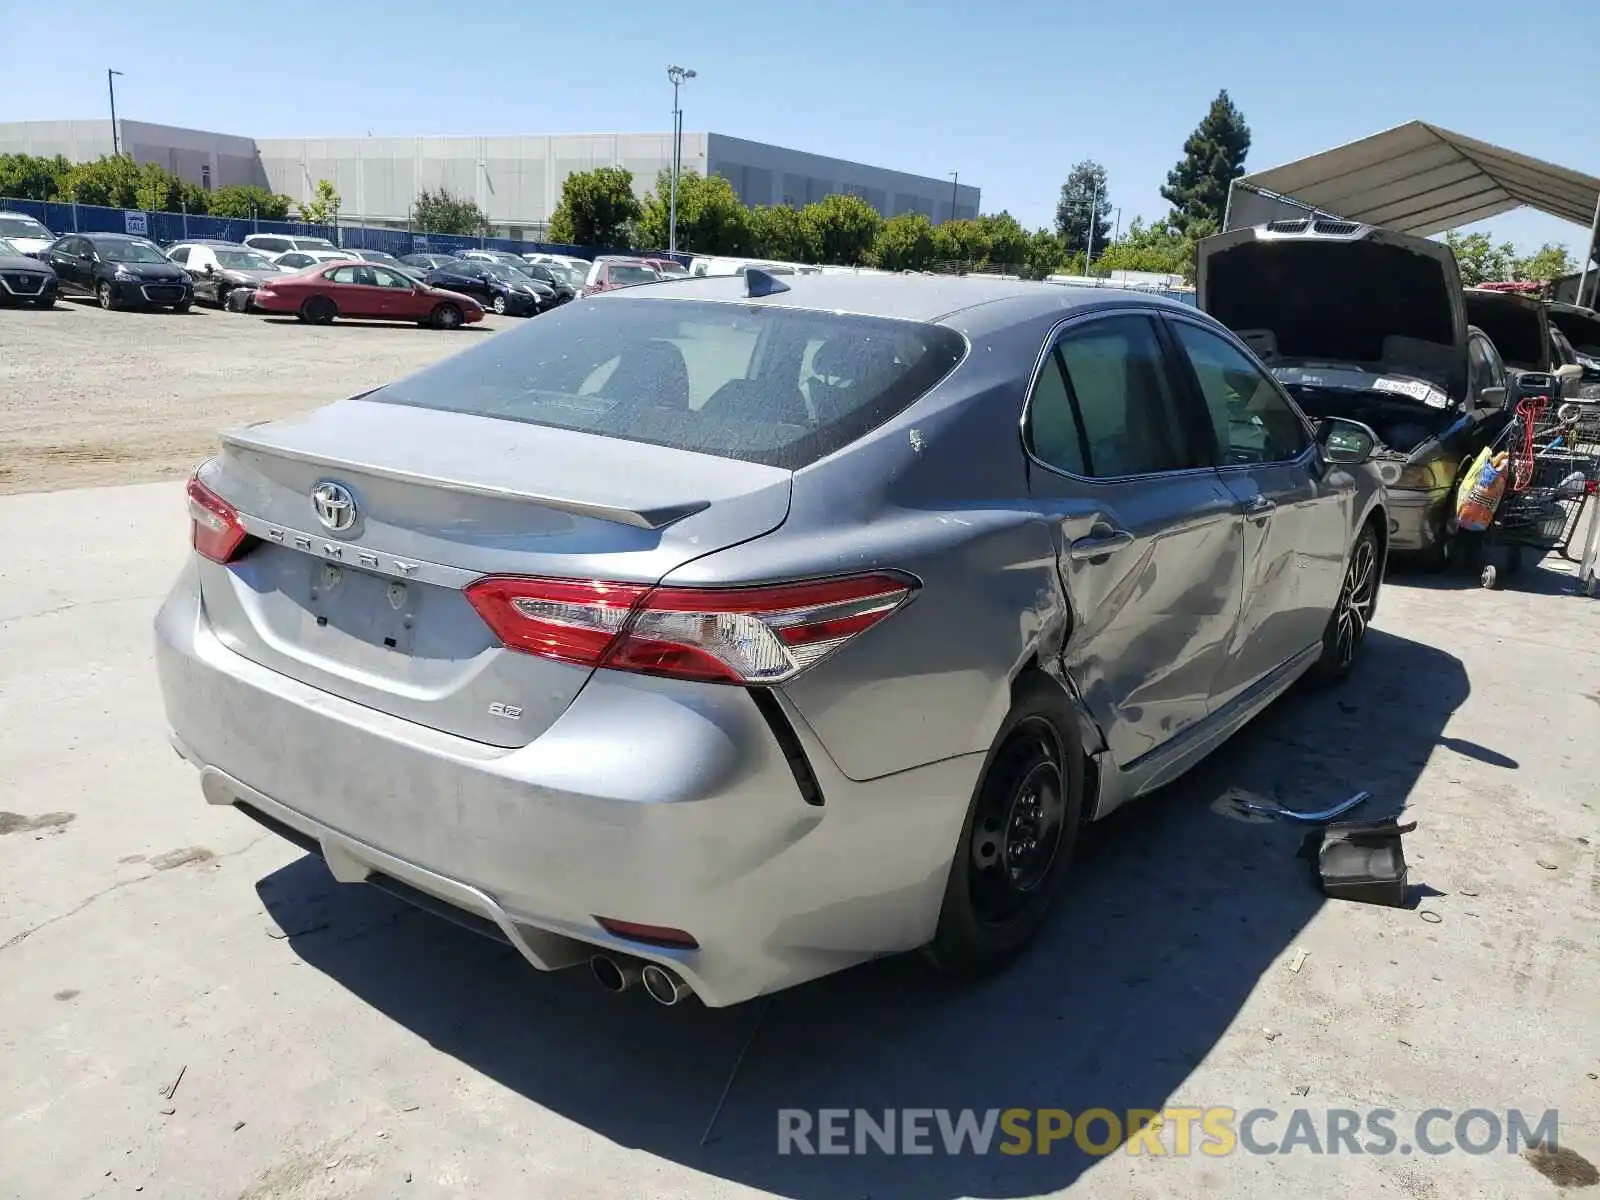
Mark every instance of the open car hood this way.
pixel 1326 293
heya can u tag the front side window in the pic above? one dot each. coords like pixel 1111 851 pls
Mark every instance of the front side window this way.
pixel 1253 420
pixel 767 385
pixel 1105 407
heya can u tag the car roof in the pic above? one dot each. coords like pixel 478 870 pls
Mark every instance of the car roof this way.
pixel 926 298
pixel 114 237
pixel 217 242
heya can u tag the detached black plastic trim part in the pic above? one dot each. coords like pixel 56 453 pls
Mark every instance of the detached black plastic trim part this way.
pixel 789 742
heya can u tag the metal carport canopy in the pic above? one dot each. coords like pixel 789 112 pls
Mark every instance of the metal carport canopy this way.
pixel 1417 178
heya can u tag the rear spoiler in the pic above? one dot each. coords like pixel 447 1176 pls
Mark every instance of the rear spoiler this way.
pixel 638 518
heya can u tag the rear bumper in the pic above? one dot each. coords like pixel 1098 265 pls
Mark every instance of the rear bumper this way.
pixel 649 801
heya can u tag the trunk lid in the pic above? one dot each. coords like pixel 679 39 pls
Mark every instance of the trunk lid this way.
pixel 1326 293
pixel 373 610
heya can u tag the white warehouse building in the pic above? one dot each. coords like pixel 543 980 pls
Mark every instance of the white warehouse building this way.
pixel 516 180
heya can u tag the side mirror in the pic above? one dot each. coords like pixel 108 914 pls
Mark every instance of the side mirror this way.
pixel 1348 443
pixel 1569 373
pixel 211 268
pixel 1492 397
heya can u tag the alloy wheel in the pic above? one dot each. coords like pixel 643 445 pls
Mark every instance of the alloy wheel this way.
pixel 500 305
pixel 1356 600
pixel 1017 833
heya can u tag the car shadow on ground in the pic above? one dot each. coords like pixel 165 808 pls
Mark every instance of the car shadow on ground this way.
pixel 348 323
pixel 1174 913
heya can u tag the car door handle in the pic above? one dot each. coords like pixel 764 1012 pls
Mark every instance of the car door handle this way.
pixel 1258 507
pixel 1098 545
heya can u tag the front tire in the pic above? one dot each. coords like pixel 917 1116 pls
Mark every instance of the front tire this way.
pixel 499 306
pixel 45 302
pixel 182 306
pixel 1352 612
pixel 107 295
pixel 447 316
pixel 1018 838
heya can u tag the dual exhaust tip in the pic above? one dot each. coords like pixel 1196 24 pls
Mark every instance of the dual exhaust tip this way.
pixel 619 974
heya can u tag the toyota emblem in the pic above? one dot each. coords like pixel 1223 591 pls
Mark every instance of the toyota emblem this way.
pixel 336 507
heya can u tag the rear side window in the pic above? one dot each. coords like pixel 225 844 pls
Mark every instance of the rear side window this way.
pixel 1104 406
pixel 762 384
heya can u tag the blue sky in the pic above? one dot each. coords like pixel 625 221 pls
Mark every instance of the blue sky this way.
pixel 1010 95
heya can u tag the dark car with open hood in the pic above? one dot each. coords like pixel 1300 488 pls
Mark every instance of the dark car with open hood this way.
pixel 1370 325
pixel 24 279
pixel 119 271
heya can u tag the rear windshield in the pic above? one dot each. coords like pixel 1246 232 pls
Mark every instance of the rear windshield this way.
pixel 621 273
pixel 1513 326
pixel 763 384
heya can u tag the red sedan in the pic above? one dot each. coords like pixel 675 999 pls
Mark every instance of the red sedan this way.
pixel 364 291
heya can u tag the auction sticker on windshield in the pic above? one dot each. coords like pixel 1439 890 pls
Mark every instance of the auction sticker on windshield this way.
pixel 1415 388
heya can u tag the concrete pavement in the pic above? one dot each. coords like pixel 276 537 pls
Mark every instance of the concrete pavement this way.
pixel 332 1043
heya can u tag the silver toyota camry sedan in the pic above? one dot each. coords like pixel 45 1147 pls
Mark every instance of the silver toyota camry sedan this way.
pixel 722 634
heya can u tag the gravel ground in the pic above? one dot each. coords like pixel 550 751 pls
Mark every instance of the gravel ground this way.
pixel 89 398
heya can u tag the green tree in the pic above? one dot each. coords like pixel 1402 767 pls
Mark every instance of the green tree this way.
pixel 1213 157
pixel 777 232
pixel 597 208
pixel 1083 192
pixel 29 177
pixel 841 229
pixel 711 217
pixel 323 207
pixel 905 243
pixel 964 241
pixel 1545 264
pixel 1157 247
pixel 247 200
pixel 1008 241
pixel 1045 254
pixel 441 212
pixel 110 181
pixel 1478 258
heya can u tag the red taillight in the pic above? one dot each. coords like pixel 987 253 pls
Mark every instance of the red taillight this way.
pixel 217 531
pixel 750 635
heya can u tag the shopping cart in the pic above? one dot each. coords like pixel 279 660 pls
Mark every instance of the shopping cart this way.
pixel 1554 474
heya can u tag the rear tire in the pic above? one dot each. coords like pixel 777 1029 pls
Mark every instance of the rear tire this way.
pixel 1018 838
pixel 447 316
pixel 318 310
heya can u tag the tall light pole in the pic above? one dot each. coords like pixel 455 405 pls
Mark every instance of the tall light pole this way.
pixel 679 76
pixel 111 86
pixel 955 178
pixel 1094 214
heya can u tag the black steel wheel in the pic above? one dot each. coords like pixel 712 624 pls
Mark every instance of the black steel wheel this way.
pixel 1352 612
pixel 1018 837
pixel 318 310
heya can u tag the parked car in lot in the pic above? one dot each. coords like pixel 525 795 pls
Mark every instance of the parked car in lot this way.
pixel 299 260
pixel 26 235
pixel 364 291
pixel 279 243
pixel 554 278
pixel 609 272
pixel 668 268
pixel 374 256
pixel 24 279
pixel 219 268
pixel 727 633
pixel 504 289
pixel 1579 328
pixel 568 262
pixel 503 257
pixel 1368 324
pixel 1519 325
pixel 427 262
pixel 119 271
